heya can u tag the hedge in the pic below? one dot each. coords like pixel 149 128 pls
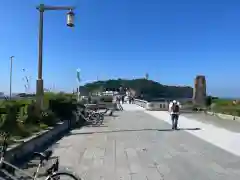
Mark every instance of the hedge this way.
pixel 20 118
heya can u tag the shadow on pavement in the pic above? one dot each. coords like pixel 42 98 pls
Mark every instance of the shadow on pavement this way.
pixel 189 129
pixel 128 130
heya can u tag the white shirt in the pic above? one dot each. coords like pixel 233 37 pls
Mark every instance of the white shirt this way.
pixel 170 107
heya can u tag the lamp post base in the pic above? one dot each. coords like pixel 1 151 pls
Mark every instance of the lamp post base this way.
pixel 39 94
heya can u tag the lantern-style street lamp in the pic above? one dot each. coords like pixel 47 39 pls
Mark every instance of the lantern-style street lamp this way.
pixel 70 23
pixel 70 18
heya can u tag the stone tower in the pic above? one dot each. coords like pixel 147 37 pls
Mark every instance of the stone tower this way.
pixel 199 92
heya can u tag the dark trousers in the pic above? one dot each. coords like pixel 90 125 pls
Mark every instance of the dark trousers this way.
pixel 123 99
pixel 174 120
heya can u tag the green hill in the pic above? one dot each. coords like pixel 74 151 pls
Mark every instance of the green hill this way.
pixel 147 89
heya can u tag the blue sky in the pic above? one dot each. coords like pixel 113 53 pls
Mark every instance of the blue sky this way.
pixel 172 40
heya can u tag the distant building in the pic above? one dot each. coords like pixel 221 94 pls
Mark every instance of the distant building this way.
pixel 110 93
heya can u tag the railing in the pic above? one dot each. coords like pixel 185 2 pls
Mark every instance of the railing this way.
pixel 140 102
pixel 161 105
pixel 154 106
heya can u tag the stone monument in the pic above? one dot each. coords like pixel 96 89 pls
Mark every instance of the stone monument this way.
pixel 199 91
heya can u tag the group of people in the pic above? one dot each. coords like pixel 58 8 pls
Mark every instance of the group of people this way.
pixel 123 98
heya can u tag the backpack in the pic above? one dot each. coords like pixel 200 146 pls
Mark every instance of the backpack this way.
pixel 175 108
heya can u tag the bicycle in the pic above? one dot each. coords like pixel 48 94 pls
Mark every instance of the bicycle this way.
pixel 89 115
pixel 99 113
pixel 92 116
pixel 52 173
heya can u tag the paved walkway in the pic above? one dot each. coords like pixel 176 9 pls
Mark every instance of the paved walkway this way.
pixel 229 125
pixel 135 145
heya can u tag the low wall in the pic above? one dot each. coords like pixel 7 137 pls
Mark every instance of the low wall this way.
pixel 224 116
pixel 18 151
pixel 140 102
pixel 152 106
pixel 160 106
pixel 157 106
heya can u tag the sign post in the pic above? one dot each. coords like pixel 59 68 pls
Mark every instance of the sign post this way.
pixel 78 82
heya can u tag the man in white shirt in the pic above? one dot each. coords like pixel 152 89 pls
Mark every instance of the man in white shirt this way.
pixel 174 109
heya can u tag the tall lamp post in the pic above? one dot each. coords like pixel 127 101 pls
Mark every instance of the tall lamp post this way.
pixel 70 23
pixel 10 86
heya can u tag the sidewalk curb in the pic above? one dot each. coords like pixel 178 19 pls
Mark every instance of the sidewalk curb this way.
pixel 224 116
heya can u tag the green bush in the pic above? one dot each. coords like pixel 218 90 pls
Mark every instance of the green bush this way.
pixel 63 107
pixel 31 115
pixel 10 120
pixel 231 110
pixel 225 106
pixel 20 117
pixel 48 118
pixel 222 102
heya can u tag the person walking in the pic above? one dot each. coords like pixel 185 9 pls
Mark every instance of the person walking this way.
pixel 174 109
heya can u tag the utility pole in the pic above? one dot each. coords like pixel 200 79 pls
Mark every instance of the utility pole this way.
pixel 10 88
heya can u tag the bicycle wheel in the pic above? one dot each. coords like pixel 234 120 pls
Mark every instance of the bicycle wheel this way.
pixel 63 176
pixel 93 119
pixel 101 115
pixel 97 117
pixel 101 118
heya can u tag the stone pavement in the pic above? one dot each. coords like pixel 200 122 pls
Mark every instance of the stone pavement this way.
pixel 230 125
pixel 133 145
pixel 225 139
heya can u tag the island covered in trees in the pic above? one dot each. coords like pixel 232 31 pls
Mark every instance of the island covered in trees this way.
pixel 143 88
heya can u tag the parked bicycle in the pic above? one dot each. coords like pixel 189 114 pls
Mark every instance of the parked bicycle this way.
pixel 88 116
pixel 101 113
pixel 7 169
pixel 92 115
